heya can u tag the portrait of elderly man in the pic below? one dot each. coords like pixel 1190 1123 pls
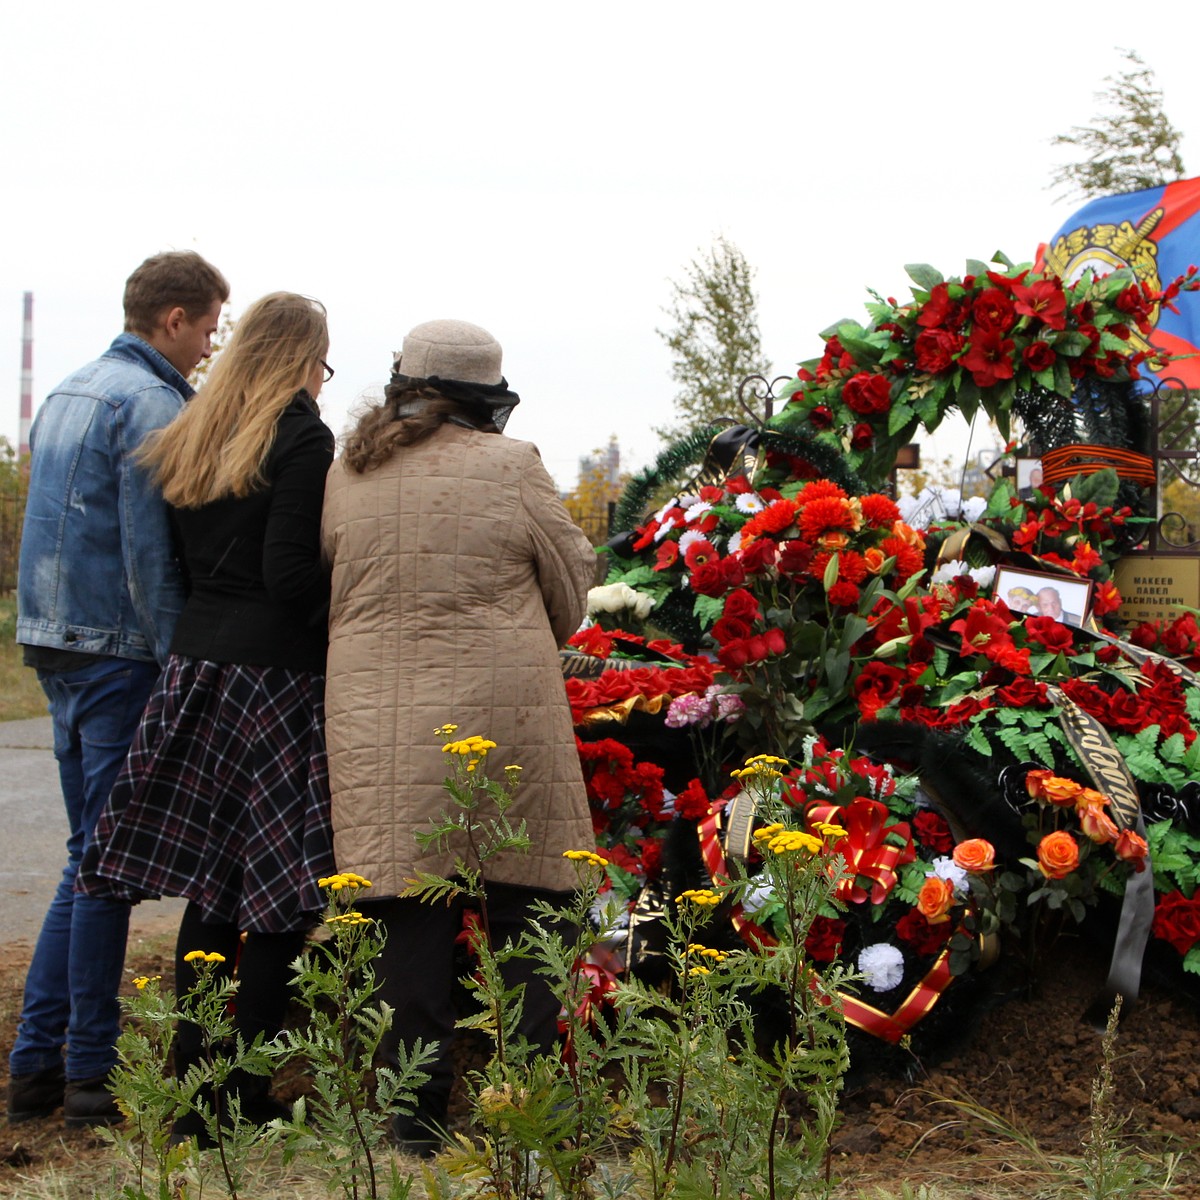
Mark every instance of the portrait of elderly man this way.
pixel 1049 603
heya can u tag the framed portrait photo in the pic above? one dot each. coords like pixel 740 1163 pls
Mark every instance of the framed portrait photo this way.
pixel 1029 477
pixel 1039 594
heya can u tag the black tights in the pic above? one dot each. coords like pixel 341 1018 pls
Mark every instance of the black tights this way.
pixel 415 972
pixel 263 971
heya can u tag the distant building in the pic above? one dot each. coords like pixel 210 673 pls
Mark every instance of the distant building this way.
pixel 603 465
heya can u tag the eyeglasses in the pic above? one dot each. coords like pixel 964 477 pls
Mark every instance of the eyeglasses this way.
pixel 328 370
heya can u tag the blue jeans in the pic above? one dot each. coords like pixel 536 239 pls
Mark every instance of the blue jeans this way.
pixel 71 989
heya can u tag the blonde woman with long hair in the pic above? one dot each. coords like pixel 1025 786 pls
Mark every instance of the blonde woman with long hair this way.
pixel 224 797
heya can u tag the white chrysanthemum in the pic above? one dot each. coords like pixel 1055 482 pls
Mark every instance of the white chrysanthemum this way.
pixel 689 539
pixel 949 571
pixel 735 542
pixel 758 895
pixel 947 868
pixel 697 510
pixel 665 528
pixel 881 965
pixel 972 508
pixel 748 502
pixel 619 597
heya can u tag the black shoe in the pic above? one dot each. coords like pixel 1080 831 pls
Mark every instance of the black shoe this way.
pixel 89 1102
pixel 35 1095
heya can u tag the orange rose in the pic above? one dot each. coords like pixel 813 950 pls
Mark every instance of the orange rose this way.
pixel 874 558
pixel 975 855
pixel 1096 823
pixel 1052 789
pixel 935 899
pixel 834 541
pixel 1058 854
pixel 1132 848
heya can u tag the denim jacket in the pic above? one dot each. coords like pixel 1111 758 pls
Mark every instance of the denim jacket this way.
pixel 98 571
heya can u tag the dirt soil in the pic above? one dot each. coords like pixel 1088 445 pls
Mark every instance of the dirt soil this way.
pixel 1030 1060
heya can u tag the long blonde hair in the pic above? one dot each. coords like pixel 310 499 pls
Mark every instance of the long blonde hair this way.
pixel 217 446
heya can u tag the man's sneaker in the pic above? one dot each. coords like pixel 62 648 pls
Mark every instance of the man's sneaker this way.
pixel 89 1102
pixel 35 1095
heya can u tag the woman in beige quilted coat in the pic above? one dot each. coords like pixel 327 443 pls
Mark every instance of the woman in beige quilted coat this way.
pixel 457 575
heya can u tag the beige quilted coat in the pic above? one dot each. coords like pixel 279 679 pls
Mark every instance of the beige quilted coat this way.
pixel 457 574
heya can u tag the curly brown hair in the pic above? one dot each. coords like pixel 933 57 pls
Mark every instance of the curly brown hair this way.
pixel 381 430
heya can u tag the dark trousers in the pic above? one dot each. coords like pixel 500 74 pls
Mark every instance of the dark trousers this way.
pixel 416 976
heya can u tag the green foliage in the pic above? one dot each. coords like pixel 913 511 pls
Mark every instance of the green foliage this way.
pixel 676 1070
pixel 342 1127
pixel 1130 145
pixel 714 338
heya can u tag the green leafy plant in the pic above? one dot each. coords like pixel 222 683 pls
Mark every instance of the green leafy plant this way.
pixel 342 1126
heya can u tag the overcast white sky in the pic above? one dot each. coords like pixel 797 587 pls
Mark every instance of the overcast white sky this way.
pixel 542 169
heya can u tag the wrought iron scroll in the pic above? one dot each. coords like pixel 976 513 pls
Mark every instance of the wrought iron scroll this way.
pixel 762 390
pixel 1173 446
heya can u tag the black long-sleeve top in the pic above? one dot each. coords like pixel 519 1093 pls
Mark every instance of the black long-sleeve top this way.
pixel 259 594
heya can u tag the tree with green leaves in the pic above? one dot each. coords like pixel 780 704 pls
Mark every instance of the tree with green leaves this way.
pixel 714 339
pixel 1130 145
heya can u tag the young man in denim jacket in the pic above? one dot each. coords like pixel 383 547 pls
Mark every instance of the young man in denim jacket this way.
pixel 98 593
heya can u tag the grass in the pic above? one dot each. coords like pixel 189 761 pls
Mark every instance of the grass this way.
pixel 21 695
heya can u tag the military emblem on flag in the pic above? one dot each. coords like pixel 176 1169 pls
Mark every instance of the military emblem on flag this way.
pixel 1155 233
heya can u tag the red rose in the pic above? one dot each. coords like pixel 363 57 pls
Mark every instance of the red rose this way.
pixel 1021 693
pixel 821 416
pixel 824 940
pixel 862 436
pixel 1128 711
pixel 1039 356
pixel 729 629
pixel 915 931
pixel 935 350
pixel 1050 634
pixel 759 555
pixel 932 830
pixel 776 641
pixel 876 687
pixel 1177 920
pixel 865 393
pixel 742 604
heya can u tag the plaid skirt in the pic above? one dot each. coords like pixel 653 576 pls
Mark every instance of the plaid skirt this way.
pixel 224 798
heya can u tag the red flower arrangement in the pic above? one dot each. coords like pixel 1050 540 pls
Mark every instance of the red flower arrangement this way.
pixel 965 343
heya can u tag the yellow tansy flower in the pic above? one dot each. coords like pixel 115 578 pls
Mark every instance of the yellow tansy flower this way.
pixel 586 856
pixel 700 896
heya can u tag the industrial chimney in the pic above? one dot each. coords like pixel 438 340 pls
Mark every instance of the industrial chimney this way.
pixel 26 377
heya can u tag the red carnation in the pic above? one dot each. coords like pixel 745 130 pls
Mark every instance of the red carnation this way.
pixel 692 804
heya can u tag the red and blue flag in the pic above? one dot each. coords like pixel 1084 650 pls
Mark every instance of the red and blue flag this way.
pixel 1156 234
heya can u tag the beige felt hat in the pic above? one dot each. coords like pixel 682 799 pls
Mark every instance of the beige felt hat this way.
pixel 454 350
